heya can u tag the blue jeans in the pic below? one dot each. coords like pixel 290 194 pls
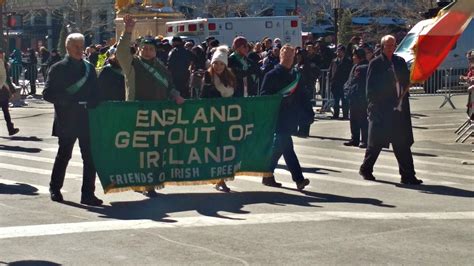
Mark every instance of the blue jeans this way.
pixel 283 145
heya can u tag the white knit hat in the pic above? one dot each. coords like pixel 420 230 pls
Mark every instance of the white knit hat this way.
pixel 221 54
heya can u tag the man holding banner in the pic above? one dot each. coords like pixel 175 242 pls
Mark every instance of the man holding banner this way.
pixel 389 112
pixel 70 84
pixel 146 78
pixel 285 79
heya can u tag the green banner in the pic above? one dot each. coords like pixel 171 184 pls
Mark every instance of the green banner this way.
pixel 149 144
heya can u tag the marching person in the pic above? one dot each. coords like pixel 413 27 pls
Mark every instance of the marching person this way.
pixel 219 82
pixel 146 78
pixel 6 91
pixel 70 82
pixel 387 81
pixel 355 86
pixel 286 80
pixel 245 70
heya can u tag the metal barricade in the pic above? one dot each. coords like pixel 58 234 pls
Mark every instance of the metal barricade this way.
pixel 443 82
pixel 25 76
pixel 323 93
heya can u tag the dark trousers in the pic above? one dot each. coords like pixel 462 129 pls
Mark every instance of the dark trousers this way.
pixel 32 86
pixel 358 121
pixel 345 105
pixel 402 153
pixel 283 145
pixel 6 114
pixel 66 145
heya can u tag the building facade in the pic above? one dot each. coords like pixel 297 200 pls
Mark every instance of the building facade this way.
pixel 39 22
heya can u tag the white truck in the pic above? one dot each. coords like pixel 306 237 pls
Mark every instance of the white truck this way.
pixel 287 28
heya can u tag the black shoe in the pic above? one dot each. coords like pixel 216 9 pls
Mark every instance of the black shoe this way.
pixel 351 143
pixel 302 184
pixel 367 176
pixel 14 131
pixel 150 193
pixel 270 182
pixel 91 200
pixel 411 181
pixel 363 145
pixel 56 195
pixel 222 187
pixel 335 118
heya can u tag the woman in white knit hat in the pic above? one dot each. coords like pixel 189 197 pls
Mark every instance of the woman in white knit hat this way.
pixel 219 81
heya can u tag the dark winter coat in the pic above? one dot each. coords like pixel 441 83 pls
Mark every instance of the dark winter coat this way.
pixel 386 125
pixel 251 72
pixel 272 83
pixel 111 83
pixel 71 118
pixel 338 74
pixel 357 82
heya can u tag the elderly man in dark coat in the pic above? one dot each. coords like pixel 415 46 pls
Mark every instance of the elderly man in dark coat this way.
pixel 389 119
pixel 70 82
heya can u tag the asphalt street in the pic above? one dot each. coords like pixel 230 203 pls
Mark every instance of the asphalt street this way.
pixel 339 219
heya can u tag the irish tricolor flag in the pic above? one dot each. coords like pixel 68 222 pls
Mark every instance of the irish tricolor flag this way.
pixel 436 40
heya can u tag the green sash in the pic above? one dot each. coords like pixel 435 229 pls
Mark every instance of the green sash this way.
pixel 74 88
pixel 154 73
pixel 291 88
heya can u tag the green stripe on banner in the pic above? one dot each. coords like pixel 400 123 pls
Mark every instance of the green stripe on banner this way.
pixel 150 144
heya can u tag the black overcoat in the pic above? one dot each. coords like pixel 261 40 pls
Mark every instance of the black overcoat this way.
pixel 386 125
pixel 70 117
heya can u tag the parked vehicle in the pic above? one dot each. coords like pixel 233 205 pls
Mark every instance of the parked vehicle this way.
pixel 287 28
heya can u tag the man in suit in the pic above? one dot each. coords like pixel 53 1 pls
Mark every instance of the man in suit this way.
pixel 338 74
pixel 70 82
pixel 387 78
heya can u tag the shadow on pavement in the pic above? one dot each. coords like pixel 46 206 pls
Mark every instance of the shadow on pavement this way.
pixel 18 138
pixel 210 204
pixel 30 263
pixel 421 154
pixel 18 189
pixel 434 189
pixel 18 148
pixel 330 138
pixel 314 170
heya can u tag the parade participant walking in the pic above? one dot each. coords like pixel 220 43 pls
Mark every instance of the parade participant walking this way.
pixel 70 82
pixel 146 78
pixel 338 74
pixel 219 82
pixel 6 92
pixel 285 79
pixel 387 83
pixel 356 88
pixel 245 70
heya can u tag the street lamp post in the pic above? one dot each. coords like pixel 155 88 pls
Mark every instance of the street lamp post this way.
pixel 336 5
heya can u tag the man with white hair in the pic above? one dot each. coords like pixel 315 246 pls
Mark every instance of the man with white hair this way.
pixel 388 112
pixel 70 82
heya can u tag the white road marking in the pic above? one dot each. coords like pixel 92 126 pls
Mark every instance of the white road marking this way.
pixel 324 177
pixel 206 221
pixel 435 173
pixel 34 170
pixel 40 189
pixel 34 158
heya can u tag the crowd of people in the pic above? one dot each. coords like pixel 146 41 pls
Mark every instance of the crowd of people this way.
pixel 371 86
